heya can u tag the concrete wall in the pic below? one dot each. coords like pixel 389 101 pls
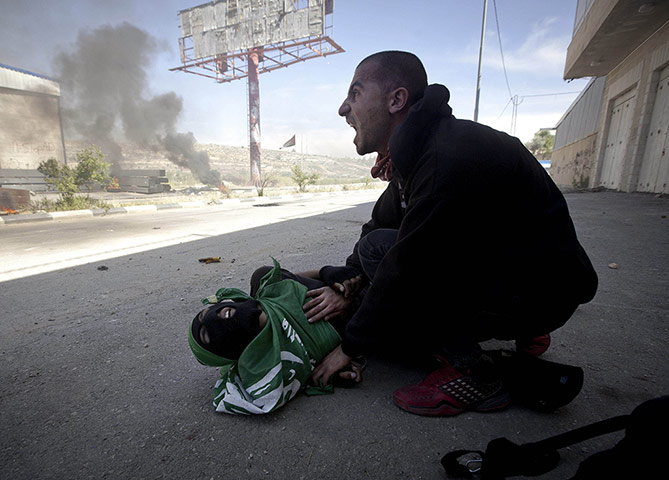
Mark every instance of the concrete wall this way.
pixel 30 126
pixel 574 150
pixel 580 160
pixel 572 165
pixel 640 72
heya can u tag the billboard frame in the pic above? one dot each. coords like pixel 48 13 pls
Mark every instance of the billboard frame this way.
pixel 234 66
pixel 251 61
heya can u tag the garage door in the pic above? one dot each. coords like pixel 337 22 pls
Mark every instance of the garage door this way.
pixel 654 173
pixel 620 125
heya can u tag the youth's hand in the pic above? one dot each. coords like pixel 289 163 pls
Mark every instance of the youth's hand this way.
pixel 353 373
pixel 325 304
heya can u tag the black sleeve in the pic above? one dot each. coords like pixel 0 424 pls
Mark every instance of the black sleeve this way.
pixel 387 213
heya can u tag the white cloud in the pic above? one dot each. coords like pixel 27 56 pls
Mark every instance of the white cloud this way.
pixel 541 53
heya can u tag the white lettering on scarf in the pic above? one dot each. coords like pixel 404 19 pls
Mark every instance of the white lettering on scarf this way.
pixel 290 332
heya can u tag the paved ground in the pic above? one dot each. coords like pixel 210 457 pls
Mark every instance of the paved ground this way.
pixel 96 379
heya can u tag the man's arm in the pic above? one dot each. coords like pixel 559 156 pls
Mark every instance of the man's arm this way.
pixel 405 278
pixel 348 280
pixel 387 213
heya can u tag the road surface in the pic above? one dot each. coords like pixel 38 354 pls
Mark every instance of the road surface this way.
pixel 97 380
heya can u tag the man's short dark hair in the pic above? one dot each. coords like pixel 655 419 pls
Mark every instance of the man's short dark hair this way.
pixel 396 69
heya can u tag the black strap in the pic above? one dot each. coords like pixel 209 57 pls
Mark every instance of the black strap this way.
pixel 571 437
pixel 504 458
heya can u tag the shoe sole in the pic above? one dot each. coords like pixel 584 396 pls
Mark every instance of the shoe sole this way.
pixel 445 409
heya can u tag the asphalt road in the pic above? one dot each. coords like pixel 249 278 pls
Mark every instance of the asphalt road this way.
pixel 79 237
pixel 97 381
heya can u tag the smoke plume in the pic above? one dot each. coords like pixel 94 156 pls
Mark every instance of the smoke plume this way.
pixel 105 98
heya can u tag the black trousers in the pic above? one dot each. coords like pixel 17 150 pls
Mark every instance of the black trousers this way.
pixel 455 330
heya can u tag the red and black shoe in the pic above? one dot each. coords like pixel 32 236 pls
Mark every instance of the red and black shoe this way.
pixel 448 392
pixel 534 346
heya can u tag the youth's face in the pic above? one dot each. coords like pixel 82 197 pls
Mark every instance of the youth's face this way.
pixel 224 313
pixel 366 110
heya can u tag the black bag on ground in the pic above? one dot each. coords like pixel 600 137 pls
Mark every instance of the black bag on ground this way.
pixel 637 455
pixel 536 383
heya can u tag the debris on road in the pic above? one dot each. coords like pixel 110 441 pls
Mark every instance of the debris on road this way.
pixel 208 260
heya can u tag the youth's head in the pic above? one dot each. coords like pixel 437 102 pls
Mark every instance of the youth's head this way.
pixel 227 327
pixel 383 88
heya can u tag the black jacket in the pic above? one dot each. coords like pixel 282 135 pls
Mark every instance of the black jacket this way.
pixel 483 223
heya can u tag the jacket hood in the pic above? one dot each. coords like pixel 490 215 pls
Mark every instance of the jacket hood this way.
pixel 407 140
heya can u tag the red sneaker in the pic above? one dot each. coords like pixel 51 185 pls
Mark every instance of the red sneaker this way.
pixel 448 392
pixel 534 346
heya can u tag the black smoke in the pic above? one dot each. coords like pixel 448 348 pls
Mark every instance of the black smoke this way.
pixel 106 100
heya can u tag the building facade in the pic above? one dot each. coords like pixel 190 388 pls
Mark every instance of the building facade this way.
pixel 615 134
pixel 30 124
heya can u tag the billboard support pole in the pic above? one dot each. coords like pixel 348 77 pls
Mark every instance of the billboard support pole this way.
pixel 254 114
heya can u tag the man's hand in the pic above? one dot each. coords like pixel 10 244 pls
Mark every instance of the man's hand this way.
pixel 345 280
pixel 335 361
pixel 325 304
pixel 349 287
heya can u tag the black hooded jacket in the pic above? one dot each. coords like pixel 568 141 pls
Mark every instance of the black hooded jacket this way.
pixel 480 222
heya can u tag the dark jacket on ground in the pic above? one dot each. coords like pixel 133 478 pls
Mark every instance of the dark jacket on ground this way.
pixel 486 246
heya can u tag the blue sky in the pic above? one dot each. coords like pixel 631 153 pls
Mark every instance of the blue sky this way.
pixel 303 99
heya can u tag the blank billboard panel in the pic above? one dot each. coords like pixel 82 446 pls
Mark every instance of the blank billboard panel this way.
pixel 227 26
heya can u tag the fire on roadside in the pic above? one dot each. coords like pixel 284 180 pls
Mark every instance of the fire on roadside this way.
pixel 7 211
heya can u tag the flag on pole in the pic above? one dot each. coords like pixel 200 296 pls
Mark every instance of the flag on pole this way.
pixel 289 143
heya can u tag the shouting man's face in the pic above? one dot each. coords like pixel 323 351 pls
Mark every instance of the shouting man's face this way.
pixel 366 109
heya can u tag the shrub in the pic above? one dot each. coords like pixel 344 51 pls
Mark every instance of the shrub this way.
pixel 68 181
pixel 303 179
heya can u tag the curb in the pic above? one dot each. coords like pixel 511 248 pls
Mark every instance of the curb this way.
pixel 96 212
pixel 99 212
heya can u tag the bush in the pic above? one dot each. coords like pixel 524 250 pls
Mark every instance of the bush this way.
pixel 303 179
pixel 91 168
pixel 267 179
pixel 60 176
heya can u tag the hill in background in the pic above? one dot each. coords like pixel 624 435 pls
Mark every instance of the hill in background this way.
pixel 233 164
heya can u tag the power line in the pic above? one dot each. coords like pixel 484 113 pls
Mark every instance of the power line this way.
pixel 501 52
pixel 504 109
pixel 549 94
pixel 522 97
pixel 513 99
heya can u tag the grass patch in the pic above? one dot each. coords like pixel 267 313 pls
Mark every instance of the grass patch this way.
pixel 63 204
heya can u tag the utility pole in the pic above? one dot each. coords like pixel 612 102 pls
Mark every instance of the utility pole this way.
pixel 478 78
